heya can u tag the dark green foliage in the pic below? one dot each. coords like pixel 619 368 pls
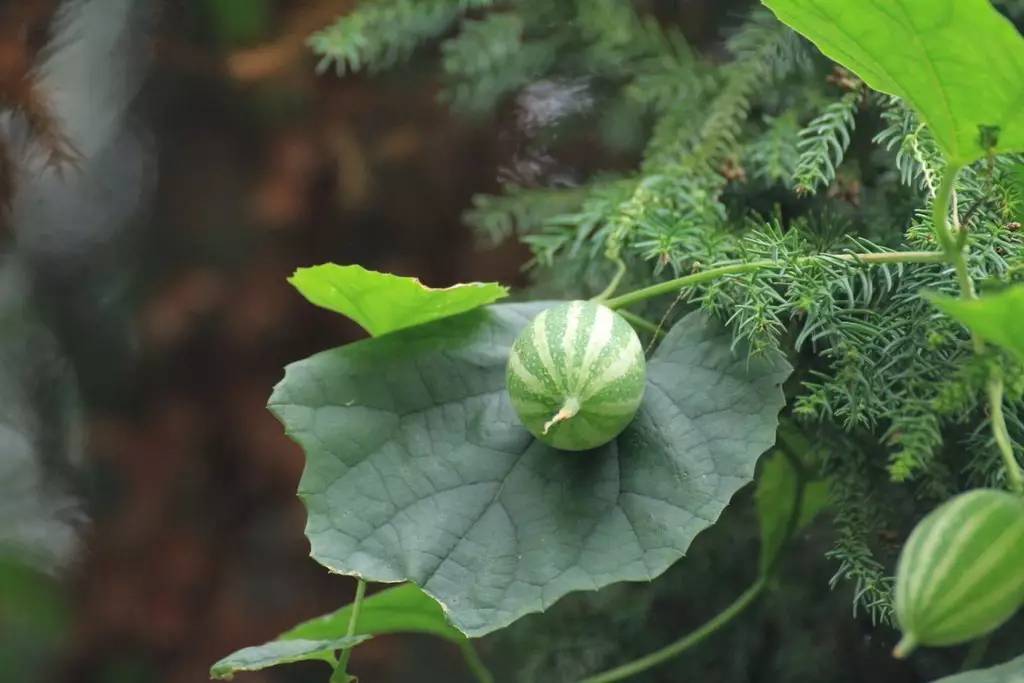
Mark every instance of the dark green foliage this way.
pixel 823 143
pixel 379 34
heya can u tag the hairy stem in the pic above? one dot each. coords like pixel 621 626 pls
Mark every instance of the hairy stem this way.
pixel 684 643
pixel 716 272
pixel 956 254
pixel 357 603
pixel 995 400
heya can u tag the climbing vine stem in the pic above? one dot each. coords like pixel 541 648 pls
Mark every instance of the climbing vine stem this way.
pixel 673 286
pixel 955 247
pixel 684 643
pixel 1002 437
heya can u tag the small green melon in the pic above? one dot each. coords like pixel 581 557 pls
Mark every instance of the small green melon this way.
pixel 576 375
pixel 961 573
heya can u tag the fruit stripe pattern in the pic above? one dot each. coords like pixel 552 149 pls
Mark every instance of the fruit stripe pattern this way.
pixel 961 573
pixel 576 375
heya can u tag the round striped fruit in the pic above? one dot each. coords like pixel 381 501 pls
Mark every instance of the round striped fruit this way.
pixel 961 572
pixel 576 375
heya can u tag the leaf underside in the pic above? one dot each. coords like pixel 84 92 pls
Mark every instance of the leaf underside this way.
pixel 280 652
pixel 418 469
pixel 959 63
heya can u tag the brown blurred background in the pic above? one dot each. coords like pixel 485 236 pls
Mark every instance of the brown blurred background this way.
pixel 179 325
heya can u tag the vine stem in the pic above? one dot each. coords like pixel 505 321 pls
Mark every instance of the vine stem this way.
pixel 474 663
pixel 357 603
pixel 999 431
pixel 956 253
pixel 684 643
pixel 749 266
pixel 642 323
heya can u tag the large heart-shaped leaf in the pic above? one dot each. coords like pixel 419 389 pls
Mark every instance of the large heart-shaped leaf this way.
pixel 418 469
pixel 1010 672
pixel 382 302
pixel 998 318
pixel 959 63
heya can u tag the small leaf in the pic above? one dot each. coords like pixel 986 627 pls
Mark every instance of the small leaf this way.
pixel 381 302
pixel 418 469
pixel 998 318
pixel 1010 672
pixel 402 609
pixel 959 63
pixel 278 652
pixel 776 495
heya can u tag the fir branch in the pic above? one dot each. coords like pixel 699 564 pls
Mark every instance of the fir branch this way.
pixel 379 33
pixel 823 144
pixel 520 211
pixel 489 58
pixel 773 157
pixel 856 521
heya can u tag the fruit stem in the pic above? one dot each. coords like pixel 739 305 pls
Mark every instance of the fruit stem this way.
pixel 906 645
pixel 567 411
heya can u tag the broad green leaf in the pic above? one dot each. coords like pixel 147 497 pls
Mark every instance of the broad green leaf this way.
pixel 381 302
pixel 998 318
pixel 279 652
pixel 402 609
pixel 776 498
pixel 418 469
pixel 1010 672
pixel 959 63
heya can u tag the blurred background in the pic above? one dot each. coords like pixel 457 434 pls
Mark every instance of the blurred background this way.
pixel 169 164
pixel 165 166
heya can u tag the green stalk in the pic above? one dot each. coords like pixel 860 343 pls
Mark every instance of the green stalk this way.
pixel 716 272
pixel 684 643
pixel 474 663
pixel 956 254
pixel 357 603
pixel 643 323
pixel 999 431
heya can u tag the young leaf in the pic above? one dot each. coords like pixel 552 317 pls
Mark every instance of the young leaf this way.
pixel 381 302
pixel 776 497
pixel 402 609
pixel 278 652
pixel 418 469
pixel 1010 672
pixel 998 318
pixel 959 63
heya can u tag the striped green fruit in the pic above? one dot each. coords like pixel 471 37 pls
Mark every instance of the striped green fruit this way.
pixel 961 572
pixel 576 375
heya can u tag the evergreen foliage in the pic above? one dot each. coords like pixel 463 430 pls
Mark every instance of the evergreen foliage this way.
pixel 755 155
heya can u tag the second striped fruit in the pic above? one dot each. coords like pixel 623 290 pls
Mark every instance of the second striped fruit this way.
pixel 961 572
